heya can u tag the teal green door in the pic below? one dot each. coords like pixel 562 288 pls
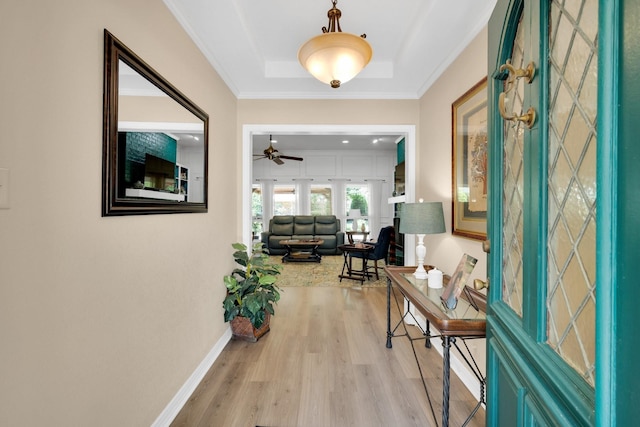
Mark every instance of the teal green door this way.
pixel 564 213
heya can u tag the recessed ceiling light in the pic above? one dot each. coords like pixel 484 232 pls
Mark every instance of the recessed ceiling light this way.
pixel 345 141
pixel 375 141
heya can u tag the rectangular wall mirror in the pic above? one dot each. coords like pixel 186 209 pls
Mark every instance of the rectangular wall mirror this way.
pixel 155 141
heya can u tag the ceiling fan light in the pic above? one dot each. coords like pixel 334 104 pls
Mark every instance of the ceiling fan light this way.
pixel 335 57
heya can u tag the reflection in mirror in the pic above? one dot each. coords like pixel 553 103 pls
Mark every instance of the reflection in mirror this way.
pixel 155 142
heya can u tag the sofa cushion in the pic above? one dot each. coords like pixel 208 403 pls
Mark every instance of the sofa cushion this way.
pixel 329 241
pixel 326 224
pixel 282 225
pixel 303 225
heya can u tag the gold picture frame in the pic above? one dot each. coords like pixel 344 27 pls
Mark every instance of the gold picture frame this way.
pixel 469 158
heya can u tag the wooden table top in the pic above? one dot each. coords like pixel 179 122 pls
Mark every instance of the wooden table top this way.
pixel 350 235
pixel 464 320
pixel 297 242
pixel 358 247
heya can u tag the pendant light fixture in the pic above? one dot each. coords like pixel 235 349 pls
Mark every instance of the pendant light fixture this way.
pixel 335 57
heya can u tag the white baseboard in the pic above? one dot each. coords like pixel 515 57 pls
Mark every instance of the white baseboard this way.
pixel 169 413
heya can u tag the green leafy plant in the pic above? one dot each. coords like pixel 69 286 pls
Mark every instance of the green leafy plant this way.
pixel 251 288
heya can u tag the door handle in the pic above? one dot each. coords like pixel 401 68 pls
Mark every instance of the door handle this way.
pixel 514 74
pixel 480 284
pixel 528 119
pixel 528 74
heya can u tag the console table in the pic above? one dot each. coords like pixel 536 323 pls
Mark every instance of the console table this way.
pixel 466 321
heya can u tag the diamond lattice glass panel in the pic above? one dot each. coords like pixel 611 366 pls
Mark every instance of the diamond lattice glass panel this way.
pixel 513 185
pixel 572 183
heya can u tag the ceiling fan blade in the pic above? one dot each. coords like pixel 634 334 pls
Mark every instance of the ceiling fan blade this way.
pixel 291 158
pixel 277 160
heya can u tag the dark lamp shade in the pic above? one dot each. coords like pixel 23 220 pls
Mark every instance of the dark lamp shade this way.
pixel 422 218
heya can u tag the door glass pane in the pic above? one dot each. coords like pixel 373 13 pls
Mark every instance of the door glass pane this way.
pixel 571 265
pixel 513 184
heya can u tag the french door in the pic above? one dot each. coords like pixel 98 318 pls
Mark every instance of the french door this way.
pixel 558 310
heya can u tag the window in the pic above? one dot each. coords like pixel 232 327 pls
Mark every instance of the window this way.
pixel 357 198
pixel 284 200
pixel 256 209
pixel 321 200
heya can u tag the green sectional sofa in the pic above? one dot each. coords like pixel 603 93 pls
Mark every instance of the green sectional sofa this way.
pixel 304 227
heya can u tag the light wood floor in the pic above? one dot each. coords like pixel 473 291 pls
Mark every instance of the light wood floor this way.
pixel 324 363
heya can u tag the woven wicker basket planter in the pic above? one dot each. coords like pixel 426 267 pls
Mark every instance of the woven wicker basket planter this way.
pixel 242 329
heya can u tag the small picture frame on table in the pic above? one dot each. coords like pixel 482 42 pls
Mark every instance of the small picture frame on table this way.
pixel 458 281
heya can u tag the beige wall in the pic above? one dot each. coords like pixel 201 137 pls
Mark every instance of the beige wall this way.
pixel 433 181
pixel 102 320
pixel 326 112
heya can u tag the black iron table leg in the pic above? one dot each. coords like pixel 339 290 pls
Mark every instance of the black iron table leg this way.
pixel 287 254
pixel 344 265
pixel 427 341
pixel 389 334
pixel 446 356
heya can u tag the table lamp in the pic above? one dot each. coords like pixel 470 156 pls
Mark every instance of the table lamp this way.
pixel 354 214
pixel 420 219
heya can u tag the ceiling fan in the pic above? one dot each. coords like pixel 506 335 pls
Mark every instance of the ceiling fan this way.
pixel 273 154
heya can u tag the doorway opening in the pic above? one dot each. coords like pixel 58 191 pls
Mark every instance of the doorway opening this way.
pixel 250 131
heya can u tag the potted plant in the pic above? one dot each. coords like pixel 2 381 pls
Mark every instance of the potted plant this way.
pixel 251 292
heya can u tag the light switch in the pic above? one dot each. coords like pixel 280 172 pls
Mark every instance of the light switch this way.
pixel 4 188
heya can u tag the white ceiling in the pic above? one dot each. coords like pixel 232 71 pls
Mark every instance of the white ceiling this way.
pixel 253 44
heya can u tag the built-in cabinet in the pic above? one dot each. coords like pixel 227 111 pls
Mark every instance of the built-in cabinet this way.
pixel 399 179
pixel 182 181
pixel 396 250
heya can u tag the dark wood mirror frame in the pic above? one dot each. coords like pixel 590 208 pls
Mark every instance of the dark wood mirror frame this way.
pixel 114 200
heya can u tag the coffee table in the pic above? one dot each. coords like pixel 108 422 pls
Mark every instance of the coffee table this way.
pixel 302 250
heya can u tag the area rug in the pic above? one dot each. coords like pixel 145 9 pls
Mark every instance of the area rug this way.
pixel 322 274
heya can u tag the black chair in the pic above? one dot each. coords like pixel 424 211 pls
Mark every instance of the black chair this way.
pixel 380 250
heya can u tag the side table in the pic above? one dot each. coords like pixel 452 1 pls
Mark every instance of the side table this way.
pixel 350 235
pixel 347 265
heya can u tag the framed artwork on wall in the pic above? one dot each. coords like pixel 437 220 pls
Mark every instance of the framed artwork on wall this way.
pixel 469 157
